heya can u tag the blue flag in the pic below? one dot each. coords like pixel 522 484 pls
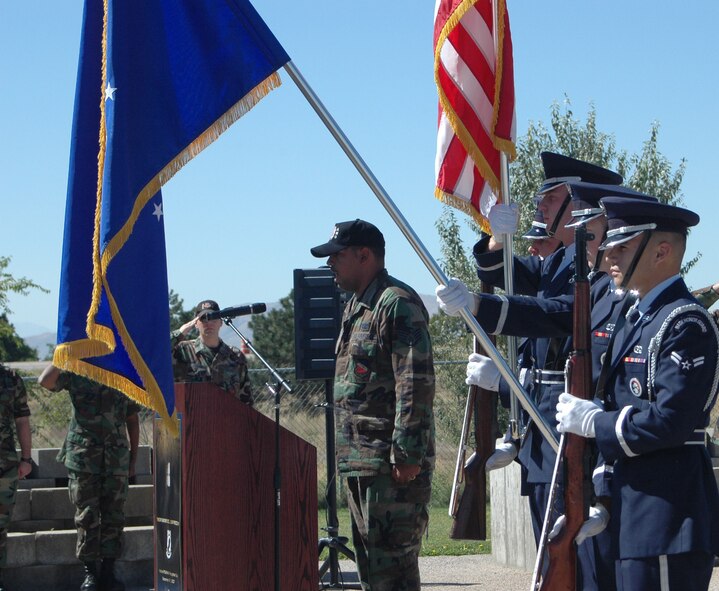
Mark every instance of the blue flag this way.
pixel 158 81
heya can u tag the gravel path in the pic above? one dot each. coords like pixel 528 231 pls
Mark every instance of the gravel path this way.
pixel 465 573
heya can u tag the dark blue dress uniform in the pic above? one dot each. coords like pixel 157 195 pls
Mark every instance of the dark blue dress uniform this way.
pixel 542 279
pixel 547 320
pixel 660 389
pixel 662 377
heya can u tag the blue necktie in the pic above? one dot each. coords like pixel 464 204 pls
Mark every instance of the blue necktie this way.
pixel 632 317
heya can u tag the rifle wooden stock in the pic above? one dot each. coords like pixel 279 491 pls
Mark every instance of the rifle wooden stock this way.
pixel 562 572
pixel 470 518
pixel 470 522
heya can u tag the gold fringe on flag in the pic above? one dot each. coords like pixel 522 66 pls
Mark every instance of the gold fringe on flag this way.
pixel 464 206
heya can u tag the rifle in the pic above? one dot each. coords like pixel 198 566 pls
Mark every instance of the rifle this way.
pixel 469 512
pixel 574 455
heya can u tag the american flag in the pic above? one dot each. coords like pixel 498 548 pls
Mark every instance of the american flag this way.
pixel 475 83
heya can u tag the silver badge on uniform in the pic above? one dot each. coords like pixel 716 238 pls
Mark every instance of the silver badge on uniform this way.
pixel 635 387
pixel 638 349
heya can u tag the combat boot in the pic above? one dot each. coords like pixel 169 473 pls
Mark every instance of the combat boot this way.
pixel 108 582
pixel 90 582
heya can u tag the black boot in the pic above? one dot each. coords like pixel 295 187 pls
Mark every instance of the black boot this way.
pixel 108 582
pixel 90 582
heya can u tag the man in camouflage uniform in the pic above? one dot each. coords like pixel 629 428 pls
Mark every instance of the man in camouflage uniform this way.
pixel 383 395
pixel 100 461
pixel 13 411
pixel 208 358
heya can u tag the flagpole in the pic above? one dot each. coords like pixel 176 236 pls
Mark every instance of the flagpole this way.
pixel 419 248
pixel 508 252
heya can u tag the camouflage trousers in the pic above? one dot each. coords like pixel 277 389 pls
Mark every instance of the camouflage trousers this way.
pixel 99 501
pixel 388 521
pixel 8 489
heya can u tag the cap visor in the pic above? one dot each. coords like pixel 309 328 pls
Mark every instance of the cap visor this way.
pixel 617 240
pixel 585 219
pixel 326 249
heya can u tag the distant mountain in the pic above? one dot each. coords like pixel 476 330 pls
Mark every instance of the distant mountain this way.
pixel 42 343
pixel 28 329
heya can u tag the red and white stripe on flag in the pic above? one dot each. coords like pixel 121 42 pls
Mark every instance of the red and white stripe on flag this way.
pixel 475 83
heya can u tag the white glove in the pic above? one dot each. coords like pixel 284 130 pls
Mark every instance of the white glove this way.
pixel 596 523
pixel 482 372
pixel 503 455
pixel 453 297
pixel 575 415
pixel 503 219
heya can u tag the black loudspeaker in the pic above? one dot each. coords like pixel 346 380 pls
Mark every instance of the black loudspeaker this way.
pixel 318 306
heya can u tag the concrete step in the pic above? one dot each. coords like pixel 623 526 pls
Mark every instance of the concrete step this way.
pixel 42 539
pixel 46 560
pixel 51 508
pixel 58 547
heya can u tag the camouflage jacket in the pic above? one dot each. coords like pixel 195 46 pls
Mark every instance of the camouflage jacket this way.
pixel 96 440
pixel 13 405
pixel 192 361
pixel 707 297
pixel 384 381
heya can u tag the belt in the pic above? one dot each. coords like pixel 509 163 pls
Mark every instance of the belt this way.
pixel 547 376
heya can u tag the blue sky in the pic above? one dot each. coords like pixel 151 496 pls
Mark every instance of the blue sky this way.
pixel 243 215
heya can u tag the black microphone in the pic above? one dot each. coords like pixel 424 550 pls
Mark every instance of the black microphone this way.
pixel 236 311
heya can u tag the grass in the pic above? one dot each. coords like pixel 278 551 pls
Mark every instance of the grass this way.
pixel 436 542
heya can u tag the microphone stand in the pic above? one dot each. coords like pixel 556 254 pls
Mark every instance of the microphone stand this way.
pixel 276 390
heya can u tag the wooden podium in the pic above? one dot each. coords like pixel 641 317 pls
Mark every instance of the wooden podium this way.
pixel 215 499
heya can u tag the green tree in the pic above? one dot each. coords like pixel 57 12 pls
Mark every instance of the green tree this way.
pixel 273 333
pixel 178 314
pixel 12 347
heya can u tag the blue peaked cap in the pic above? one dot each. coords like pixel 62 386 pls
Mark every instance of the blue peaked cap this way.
pixel 627 218
pixel 538 229
pixel 559 169
pixel 586 198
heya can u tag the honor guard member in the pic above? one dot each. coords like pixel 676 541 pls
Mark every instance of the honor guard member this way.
pixel 14 419
pixel 208 358
pixel 658 383
pixel 100 461
pixel 383 397
pixel 552 318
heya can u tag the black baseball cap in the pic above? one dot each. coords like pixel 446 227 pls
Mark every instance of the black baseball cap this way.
pixel 206 306
pixel 353 233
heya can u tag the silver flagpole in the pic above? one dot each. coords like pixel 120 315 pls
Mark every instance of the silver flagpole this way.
pixel 419 248
pixel 508 254
pixel 515 419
